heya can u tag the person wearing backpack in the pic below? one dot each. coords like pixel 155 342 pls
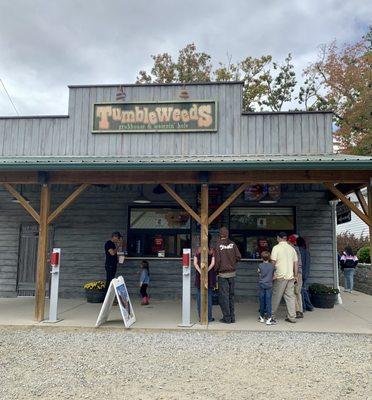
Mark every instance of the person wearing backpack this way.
pixel 348 263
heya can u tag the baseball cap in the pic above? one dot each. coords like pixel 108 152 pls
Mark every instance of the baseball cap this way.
pixel 282 235
pixel 293 239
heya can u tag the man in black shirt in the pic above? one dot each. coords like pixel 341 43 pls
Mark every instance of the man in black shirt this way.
pixel 111 249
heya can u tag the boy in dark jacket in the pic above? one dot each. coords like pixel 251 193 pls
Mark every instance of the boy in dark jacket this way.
pixel 227 255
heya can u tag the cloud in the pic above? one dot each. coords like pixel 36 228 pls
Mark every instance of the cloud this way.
pixel 45 46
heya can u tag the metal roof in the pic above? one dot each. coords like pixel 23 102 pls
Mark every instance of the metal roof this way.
pixel 198 162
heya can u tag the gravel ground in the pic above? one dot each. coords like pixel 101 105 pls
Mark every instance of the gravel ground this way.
pixel 76 364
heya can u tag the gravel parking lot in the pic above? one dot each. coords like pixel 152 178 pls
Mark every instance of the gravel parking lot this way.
pixel 85 364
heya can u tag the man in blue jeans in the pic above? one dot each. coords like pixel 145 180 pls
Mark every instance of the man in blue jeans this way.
pixel 227 255
pixel 265 287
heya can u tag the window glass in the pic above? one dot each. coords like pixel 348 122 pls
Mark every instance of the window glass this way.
pixel 270 218
pixel 159 218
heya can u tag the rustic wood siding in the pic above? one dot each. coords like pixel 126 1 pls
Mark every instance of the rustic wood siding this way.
pixel 237 134
pixel 82 229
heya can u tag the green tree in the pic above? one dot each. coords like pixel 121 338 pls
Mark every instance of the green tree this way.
pixel 341 81
pixel 267 85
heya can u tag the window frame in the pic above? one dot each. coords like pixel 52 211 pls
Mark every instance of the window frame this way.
pixel 151 232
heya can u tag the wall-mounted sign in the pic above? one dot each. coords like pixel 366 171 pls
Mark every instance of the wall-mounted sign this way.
pixel 343 213
pixel 123 117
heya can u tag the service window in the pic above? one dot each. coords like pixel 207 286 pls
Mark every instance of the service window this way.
pixel 255 228
pixel 158 230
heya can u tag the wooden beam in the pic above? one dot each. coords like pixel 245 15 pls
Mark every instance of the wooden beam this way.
pixel 227 202
pixel 22 202
pixel 42 251
pixel 181 202
pixel 345 200
pixel 204 255
pixel 362 202
pixel 70 199
pixel 18 177
pixel 191 177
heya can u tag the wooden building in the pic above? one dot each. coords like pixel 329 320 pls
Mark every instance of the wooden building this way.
pixel 194 155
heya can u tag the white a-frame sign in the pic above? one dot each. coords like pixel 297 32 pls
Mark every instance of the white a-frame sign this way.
pixel 117 289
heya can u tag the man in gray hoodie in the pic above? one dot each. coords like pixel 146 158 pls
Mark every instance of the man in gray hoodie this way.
pixel 226 255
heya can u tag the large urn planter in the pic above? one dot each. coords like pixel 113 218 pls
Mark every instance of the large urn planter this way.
pixel 323 296
pixel 95 291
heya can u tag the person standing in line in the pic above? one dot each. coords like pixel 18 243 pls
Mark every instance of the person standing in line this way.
pixel 348 262
pixel 144 282
pixel 292 240
pixel 112 247
pixel 211 280
pixel 265 287
pixel 227 255
pixel 305 259
pixel 285 260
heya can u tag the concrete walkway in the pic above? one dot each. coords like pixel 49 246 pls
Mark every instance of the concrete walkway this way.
pixel 354 315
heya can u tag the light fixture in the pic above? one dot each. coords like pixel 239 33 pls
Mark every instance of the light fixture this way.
pixel 15 200
pixel 142 199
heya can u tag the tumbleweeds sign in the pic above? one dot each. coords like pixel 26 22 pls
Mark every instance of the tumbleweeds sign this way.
pixel 193 116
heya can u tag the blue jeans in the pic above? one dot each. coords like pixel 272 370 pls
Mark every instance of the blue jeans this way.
pixel 265 296
pixel 209 303
pixel 349 278
pixel 306 302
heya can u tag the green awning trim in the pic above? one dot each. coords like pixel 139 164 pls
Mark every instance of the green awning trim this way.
pixel 190 163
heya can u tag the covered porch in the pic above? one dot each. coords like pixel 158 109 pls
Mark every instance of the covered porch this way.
pixel 338 174
pixel 352 316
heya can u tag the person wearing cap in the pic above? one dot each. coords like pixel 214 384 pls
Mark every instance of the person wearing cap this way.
pixel 227 255
pixel 112 247
pixel 292 240
pixel 285 260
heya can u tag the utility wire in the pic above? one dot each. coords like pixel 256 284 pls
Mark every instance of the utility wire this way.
pixel 10 99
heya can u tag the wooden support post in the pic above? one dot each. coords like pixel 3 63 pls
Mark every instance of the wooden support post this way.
pixel 70 199
pixel 42 252
pixel 22 201
pixel 369 192
pixel 345 200
pixel 204 256
pixel 181 202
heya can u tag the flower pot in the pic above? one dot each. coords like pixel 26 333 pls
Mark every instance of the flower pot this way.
pixel 324 300
pixel 95 296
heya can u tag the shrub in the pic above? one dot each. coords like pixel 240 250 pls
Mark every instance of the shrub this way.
pixel 363 255
pixel 319 288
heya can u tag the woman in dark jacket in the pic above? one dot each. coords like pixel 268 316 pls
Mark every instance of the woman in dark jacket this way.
pixel 305 258
pixel 348 262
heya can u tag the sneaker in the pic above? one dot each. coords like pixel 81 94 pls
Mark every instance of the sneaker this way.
pixel 271 321
pixel 224 321
pixel 260 319
pixel 292 321
pixel 299 314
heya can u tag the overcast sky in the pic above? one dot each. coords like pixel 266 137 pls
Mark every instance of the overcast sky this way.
pixel 47 45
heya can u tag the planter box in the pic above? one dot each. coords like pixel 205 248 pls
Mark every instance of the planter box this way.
pixel 95 296
pixel 323 300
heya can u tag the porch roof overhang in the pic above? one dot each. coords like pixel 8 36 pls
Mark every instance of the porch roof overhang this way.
pixel 189 163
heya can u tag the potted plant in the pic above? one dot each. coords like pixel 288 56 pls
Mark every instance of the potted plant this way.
pixel 323 296
pixel 95 291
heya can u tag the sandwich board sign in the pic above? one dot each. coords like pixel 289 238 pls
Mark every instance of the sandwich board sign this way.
pixel 117 289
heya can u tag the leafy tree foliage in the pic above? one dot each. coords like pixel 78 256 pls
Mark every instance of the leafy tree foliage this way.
pixel 341 81
pixel 267 84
